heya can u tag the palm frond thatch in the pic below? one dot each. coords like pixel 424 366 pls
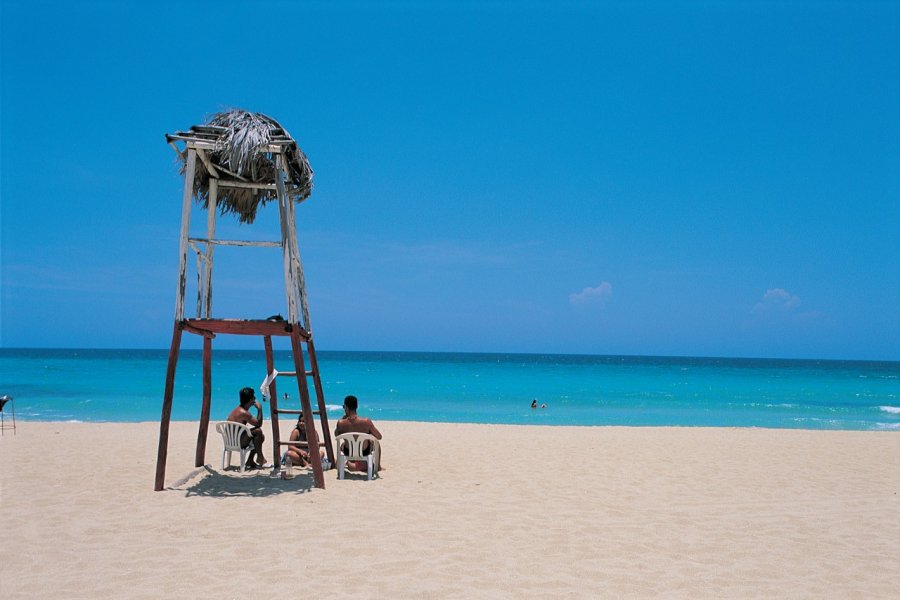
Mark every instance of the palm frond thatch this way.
pixel 241 138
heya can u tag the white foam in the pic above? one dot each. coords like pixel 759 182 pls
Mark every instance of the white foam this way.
pixel 887 426
pixel 333 407
pixel 894 410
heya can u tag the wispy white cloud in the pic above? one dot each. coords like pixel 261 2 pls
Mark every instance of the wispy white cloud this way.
pixel 592 295
pixel 776 299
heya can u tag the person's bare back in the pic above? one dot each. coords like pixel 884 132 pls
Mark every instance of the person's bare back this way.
pixel 353 423
pixel 356 424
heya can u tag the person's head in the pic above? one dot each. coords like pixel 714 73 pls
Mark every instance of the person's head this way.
pixel 351 403
pixel 248 397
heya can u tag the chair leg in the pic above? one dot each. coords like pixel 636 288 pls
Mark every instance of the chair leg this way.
pixel 341 463
pixel 243 458
pixel 224 453
pixel 369 468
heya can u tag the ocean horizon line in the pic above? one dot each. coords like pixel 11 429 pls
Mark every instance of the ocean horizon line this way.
pixel 664 357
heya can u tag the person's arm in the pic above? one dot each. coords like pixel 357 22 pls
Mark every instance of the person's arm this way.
pixel 373 430
pixel 257 422
pixel 339 428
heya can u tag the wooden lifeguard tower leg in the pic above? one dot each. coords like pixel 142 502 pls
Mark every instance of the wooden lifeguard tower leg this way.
pixel 320 397
pixel 204 308
pixel 167 409
pixel 200 457
pixel 312 437
pixel 179 316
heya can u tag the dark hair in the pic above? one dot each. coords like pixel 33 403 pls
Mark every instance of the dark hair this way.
pixel 351 402
pixel 247 395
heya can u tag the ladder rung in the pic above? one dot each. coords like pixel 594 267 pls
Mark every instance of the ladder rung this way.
pixel 301 444
pixel 294 373
pixel 294 411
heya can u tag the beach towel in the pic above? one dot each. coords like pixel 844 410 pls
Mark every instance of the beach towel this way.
pixel 264 388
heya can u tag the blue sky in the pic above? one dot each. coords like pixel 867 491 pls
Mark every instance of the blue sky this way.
pixel 699 178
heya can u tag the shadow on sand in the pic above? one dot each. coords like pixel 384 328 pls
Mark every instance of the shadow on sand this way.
pixel 209 482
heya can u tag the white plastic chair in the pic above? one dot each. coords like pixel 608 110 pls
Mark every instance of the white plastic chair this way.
pixel 231 436
pixel 354 443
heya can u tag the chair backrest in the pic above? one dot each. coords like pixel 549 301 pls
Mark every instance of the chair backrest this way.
pixel 354 443
pixel 231 433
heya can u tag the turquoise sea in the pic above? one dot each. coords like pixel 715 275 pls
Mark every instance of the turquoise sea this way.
pixel 127 385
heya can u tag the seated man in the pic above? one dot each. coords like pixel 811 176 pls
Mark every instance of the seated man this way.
pixel 353 423
pixel 241 414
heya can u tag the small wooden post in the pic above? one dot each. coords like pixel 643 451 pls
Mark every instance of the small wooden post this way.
pixel 163 450
pixel 312 437
pixel 200 457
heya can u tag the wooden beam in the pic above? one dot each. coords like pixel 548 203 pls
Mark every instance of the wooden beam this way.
pixel 243 184
pixel 210 234
pixel 311 436
pixel 320 395
pixel 175 148
pixel 186 198
pixel 232 173
pixel 273 403
pixel 290 288
pixel 262 244
pixel 197 331
pixel 200 456
pixel 297 276
pixel 282 220
pixel 199 279
pixel 243 327
pixel 193 142
pixel 168 393
pixel 209 166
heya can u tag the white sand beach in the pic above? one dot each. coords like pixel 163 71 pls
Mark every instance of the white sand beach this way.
pixel 460 511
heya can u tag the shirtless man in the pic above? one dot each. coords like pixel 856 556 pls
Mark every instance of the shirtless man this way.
pixel 241 414
pixel 353 423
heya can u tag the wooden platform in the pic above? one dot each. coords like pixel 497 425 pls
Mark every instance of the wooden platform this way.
pixel 210 327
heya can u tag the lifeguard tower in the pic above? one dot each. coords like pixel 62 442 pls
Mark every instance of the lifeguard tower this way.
pixel 235 163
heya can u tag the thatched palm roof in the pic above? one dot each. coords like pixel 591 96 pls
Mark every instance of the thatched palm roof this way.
pixel 242 150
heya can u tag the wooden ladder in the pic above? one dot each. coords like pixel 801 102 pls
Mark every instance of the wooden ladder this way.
pixel 301 374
